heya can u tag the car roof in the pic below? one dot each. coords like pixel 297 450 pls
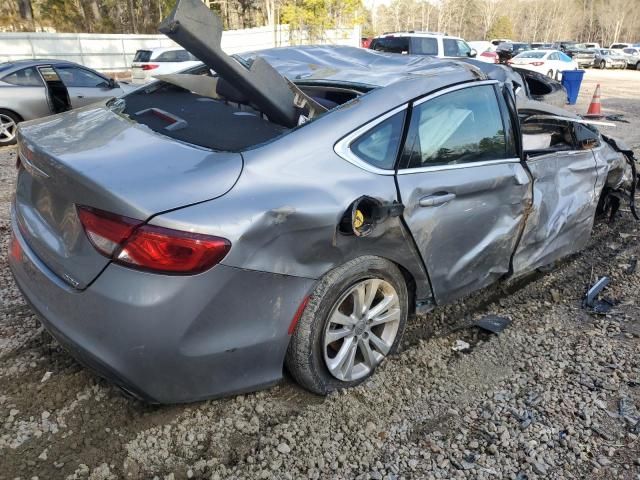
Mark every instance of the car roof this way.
pixel 359 66
pixel 32 62
pixel 13 65
pixel 417 34
pixel 160 49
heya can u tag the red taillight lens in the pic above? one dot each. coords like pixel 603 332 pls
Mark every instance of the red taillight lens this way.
pixel 150 66
pixel 105 230
pixel 147 247
pixel 172 251
pixel 537 64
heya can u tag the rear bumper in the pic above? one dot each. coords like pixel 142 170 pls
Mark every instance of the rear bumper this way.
pixel 168 339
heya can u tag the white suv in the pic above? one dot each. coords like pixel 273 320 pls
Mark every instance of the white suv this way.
pixel 423 43
pixel 159 61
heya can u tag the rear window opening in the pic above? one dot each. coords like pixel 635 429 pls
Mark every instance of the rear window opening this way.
pixel 142 56
pixel 217 124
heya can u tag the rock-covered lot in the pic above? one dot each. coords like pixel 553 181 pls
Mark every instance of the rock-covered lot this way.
pixel 555 395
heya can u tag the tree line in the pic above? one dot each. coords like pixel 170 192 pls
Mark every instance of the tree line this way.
pixel 604 21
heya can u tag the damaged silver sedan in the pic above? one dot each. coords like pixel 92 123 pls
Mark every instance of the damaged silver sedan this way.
pixel 194 238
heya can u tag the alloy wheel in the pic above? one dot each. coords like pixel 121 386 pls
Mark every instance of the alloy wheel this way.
pixel 7 128
pixel 361 329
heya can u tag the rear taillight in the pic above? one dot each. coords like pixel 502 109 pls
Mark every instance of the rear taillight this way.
pixel 150 66
pixel 146 247
pixel 537 64
pixel 105 230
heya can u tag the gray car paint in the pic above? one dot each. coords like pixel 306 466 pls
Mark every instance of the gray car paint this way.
pixel 182 338
pixel 83 158
pixel 166 338
pixel 561 217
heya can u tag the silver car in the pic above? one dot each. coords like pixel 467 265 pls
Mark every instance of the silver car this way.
pixel 194 238
pixel 607 58
pixel 36 88
pixel 632 56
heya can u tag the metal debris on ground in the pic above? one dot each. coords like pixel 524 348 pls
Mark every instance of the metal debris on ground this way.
pixel 595 290
pixel 633 264
pixel 591 300
pixel 526 419
pixel 616 118
pixel 493 323
pixel 460 346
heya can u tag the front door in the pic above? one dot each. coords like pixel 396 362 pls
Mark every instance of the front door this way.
pixel 565 196
pixel 464 188
pixel 85 86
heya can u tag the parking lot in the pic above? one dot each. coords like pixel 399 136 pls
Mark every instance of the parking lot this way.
pixel 555 395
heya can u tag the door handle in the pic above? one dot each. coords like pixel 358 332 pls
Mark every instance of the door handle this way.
pixel 436 199
pixel 79 96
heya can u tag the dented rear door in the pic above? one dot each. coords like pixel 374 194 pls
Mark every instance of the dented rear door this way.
pixel 464 188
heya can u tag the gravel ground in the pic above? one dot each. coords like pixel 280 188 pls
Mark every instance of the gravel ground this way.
pixel 555 395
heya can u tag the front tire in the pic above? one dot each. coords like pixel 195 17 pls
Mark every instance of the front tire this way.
pixel 353 320
pixel 8 127
pixel 603 65
pixel 550 74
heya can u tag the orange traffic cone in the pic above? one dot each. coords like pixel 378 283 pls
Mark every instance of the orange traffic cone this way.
pixel 594 107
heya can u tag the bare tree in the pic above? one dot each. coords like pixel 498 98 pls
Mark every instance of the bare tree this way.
pixel 26 10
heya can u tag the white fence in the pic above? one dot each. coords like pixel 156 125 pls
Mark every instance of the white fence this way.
pixel 115 52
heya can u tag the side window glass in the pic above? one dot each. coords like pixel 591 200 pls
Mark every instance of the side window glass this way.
pixel 425 46
pixel 379 146
pixel 546 136
pixel 463 48
pixel 79 77
pixel 459 127
pixel 49 74
pixel 27 77
pixel 183 56
pixel 587 136
pixel 393 45
pixel 170 56
pixel 450 47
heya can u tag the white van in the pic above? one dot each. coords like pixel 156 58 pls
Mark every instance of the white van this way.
pixel 158 61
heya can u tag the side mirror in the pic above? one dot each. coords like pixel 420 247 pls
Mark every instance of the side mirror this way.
pixel 113 83
pixel 472 53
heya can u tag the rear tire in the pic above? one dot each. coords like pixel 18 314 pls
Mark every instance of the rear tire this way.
pixel 8 127
pixel 550 74
pixel 638 66
pixel 333 346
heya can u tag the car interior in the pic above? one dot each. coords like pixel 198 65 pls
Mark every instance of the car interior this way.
pixel 56 90
pixel 225 123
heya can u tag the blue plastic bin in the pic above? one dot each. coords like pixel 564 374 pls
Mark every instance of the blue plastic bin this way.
pixel 571 80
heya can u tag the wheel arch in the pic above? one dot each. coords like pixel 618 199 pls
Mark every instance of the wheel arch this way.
pixel 20 117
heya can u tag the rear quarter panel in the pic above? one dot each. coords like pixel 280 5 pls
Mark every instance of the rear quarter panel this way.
pixel 28 102
pixel 283 214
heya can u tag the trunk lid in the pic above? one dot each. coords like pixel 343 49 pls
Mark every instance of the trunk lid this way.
pixel 94 157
